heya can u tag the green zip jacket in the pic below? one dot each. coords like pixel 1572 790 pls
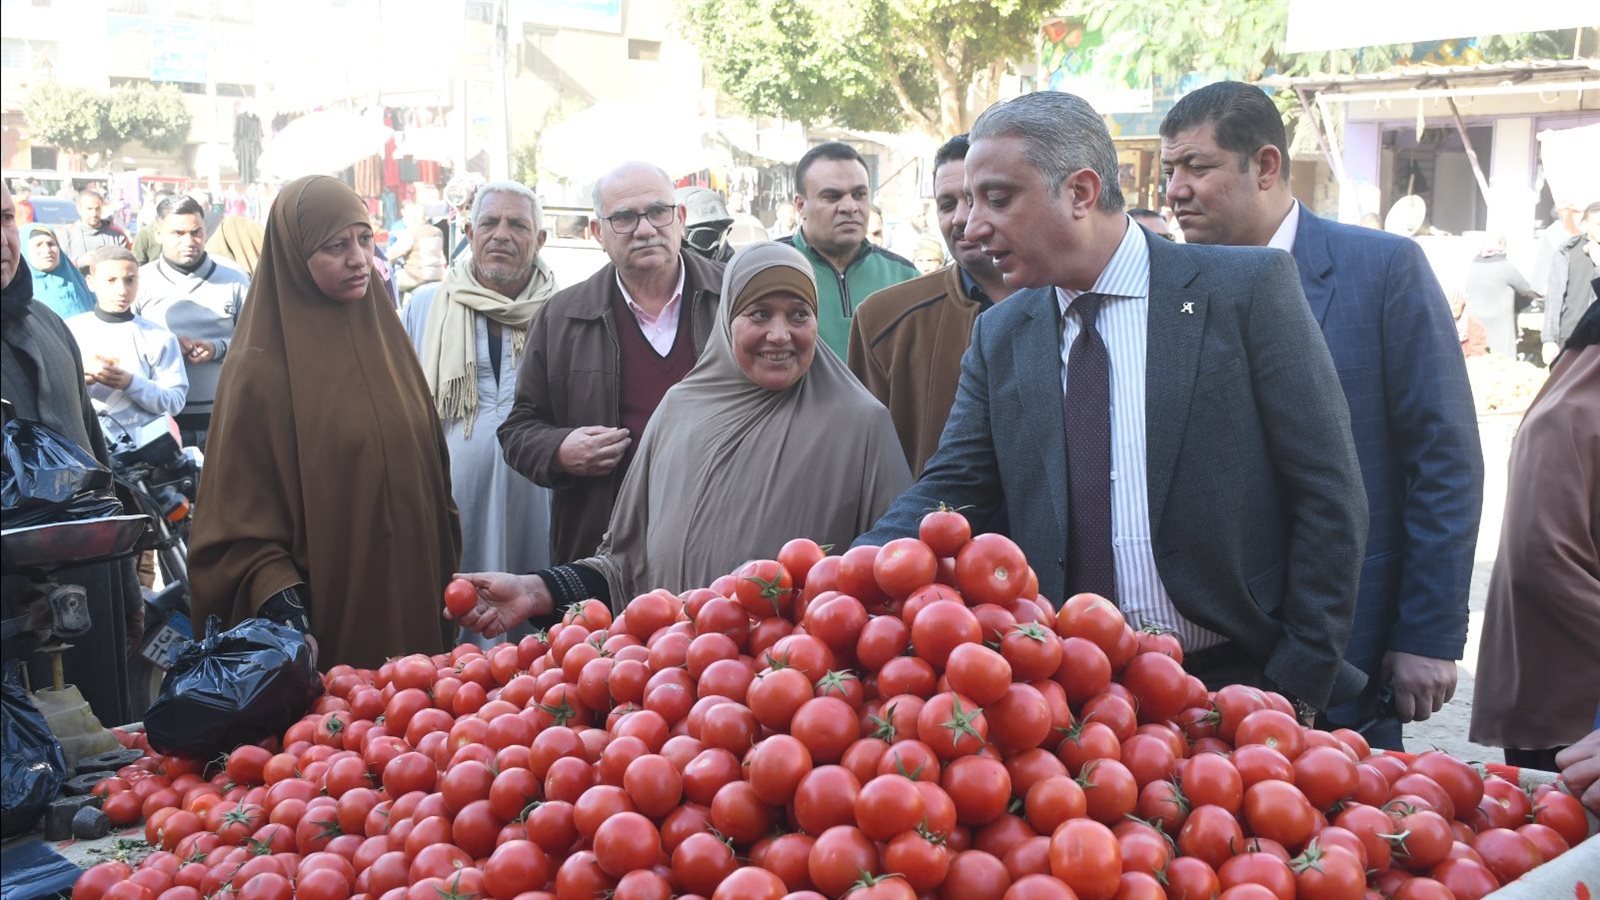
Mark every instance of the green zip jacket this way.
pixel 873 269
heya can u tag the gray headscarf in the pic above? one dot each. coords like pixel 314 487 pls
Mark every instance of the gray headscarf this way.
pixel 728 471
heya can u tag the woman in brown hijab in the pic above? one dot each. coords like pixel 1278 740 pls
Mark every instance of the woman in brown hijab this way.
pixel 326 497
pixel 238 239
pixel 768 438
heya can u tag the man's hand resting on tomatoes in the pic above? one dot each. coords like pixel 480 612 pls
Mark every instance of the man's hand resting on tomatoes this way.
pixel 504 601
pixel 1422 684
pixel 1580 769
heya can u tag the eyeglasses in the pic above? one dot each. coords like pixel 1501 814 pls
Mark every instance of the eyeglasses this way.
pixel 627 221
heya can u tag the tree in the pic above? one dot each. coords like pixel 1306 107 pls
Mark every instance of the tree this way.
pixel 154 116
pixel 1244 40
pixel 83 121
pixel 842 61
pixel 71 118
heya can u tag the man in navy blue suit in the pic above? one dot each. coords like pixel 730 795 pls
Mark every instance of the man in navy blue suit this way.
pixel 1225 157
pixel 1162 422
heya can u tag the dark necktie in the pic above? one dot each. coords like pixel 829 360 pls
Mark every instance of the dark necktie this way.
pixel 1090 565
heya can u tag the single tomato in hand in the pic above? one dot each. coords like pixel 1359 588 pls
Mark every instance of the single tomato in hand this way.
pixel 460 597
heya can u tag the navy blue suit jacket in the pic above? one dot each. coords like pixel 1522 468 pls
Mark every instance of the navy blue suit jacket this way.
pixel 1256 507
pixel 1399 360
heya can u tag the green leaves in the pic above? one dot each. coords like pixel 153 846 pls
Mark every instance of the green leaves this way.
pixel 867 64
pixel 83 121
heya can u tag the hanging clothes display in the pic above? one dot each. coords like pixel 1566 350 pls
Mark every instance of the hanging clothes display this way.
pixel 247 145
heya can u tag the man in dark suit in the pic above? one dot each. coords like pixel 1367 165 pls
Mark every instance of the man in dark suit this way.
pixel 1399 360
pixel 1163 421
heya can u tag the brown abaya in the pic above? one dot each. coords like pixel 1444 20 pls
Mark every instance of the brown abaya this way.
pixel 326 464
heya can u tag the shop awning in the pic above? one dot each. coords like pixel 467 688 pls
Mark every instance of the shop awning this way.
pixel 322 143
pixel 1528 76
pixel 588 144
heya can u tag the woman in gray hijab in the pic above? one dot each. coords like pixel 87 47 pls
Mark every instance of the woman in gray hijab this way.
pixel 768 438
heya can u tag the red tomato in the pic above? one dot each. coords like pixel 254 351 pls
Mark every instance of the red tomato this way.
pixel 980 787
pixel 1459 780
pixel 945 531
pixel 841 855
pixel 798 556
pixel 902 566
pixel 1563 813
pixel 990 568
pixel 1110 789
pixel 1210 833
pixel 460 597
pixel 1159 684
pixel 765 588
pixel 776 766
pixel 856 576
pixel 1325 775
pixel 940 627
pixel 952 725
pixel 1328 873
pixel 1052 801
pixel 1263 869
pixel 1086 855
pixel 626 841
pixel 702 862
pixel 1427 839
pixel 825 797
pixel 1506 853
pixel 1277 810
pixel 750 883
pixel 1467 879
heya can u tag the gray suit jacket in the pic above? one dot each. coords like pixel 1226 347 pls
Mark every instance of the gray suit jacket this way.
pixel 1257 510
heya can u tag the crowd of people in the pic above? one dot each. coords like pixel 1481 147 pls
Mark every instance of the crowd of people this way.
pixel 1261 438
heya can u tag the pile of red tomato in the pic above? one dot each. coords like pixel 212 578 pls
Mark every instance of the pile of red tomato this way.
pixel 895 722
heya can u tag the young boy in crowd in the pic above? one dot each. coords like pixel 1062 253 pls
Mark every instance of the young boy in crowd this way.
pixel 133 366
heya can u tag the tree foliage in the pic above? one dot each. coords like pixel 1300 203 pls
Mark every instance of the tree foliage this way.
pixel 154 116
pixel 79 120
pixel 931 65
pixel 71 118
pixel 1245 40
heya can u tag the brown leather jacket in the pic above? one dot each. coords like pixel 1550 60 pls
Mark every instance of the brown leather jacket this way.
pixel 569 379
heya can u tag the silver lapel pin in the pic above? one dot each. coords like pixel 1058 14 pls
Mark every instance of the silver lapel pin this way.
pixel 1188 309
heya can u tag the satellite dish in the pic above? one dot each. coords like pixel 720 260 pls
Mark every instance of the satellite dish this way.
pixel 1406 216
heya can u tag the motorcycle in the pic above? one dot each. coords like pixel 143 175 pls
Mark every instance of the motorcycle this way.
pixel 163 477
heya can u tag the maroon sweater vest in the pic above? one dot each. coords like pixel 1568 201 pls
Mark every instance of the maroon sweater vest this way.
pixel 646 375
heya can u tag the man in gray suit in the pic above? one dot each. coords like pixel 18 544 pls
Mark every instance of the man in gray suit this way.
pixel 1162 421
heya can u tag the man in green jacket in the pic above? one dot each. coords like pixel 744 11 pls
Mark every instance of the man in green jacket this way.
pixel 833 202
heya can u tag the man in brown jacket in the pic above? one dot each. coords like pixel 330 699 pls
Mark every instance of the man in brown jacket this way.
pixel 601 354
pixel 906 341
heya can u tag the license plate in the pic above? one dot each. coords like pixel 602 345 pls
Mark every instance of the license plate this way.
pixel 162 647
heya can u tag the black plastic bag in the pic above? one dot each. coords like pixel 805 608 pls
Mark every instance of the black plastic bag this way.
pixel 45 477
pixel 34 870
pixel 240 686
pixel 32 767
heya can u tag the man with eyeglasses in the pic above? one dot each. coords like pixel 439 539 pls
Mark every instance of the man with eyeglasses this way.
pixel 602 353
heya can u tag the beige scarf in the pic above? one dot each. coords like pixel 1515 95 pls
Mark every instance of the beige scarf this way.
pixel 450 342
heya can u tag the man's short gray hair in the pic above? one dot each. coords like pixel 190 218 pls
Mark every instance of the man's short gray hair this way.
pixel 508 187
pixel 1061 133
pixel 600 184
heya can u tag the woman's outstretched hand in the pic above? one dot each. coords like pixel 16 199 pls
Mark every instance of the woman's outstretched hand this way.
pixel 504 601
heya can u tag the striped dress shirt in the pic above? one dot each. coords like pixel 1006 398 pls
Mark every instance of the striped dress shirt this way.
pixel 1122 324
